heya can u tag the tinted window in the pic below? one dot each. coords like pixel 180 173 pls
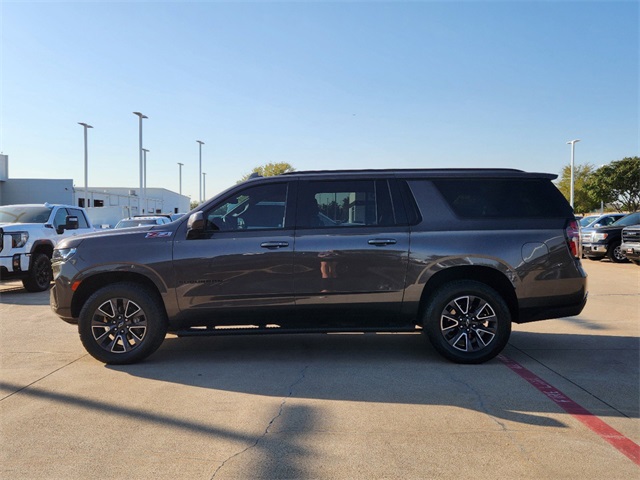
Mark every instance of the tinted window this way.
pixel 508 198
pixel 631 219
pixel 60 218
pixel 344 204
pixel 255 208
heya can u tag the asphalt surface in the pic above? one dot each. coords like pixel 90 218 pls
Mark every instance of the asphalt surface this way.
pixel 327 406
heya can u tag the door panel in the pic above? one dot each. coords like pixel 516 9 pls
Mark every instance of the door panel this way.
pixel 242 264
pixel 350 266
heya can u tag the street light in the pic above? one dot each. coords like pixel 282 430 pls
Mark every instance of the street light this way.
pixel 180 170
pixel 86 164
pixel 141 116
pixel 144 170
pixel 204 185
pixel 200 142
pixel 573 146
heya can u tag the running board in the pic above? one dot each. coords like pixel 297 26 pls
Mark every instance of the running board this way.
pixel 277 330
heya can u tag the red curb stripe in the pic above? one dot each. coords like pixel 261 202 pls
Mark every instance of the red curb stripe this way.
pixel 623 444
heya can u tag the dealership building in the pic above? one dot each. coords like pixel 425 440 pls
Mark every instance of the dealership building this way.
pixel 106 204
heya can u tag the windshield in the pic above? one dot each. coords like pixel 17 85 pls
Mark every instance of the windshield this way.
pixel 588 220
pixel 22 214
pixel 135 223
pixel 632 219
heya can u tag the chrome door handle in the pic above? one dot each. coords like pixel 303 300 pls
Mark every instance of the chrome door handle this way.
pixel 381 242
pixel 274 245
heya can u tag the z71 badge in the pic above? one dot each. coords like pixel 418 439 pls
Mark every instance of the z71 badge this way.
pixel 157 234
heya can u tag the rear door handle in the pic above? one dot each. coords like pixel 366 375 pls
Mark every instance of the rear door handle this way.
pixel 381 242
pixel 274 245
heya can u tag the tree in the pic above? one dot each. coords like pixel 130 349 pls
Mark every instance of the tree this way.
pixel 193 204
pixel 617 183
pixel 582 201
pixel 270 170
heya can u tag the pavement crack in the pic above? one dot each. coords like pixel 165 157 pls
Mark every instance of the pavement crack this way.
pixel 43 377
pixel 299 379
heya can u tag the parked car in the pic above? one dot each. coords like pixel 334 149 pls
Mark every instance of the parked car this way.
pixel 455 254
pixel 141 221
pixel 28 234
pixel 631 243
pixel 596 221
pixel 585 221
pixel 603 220
pixel 602 242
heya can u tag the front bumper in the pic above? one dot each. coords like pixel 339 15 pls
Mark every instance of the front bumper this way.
pixel 631 250
pixel 594 250
pixel 14 266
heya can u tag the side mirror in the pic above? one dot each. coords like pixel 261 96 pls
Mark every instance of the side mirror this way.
pixel 71 224
pixel 195 225
pixel 597 225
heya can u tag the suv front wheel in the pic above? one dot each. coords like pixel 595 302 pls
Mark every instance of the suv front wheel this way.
pixel 467 322
pixel 122 323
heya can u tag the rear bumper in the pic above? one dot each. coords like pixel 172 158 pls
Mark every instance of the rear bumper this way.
pixel 544 313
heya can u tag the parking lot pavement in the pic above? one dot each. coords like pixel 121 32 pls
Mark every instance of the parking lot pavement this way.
pixel 327 406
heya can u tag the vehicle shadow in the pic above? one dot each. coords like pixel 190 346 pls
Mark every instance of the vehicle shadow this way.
pixel 385 368
pixel 17 295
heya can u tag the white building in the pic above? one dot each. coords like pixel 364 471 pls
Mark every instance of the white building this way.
pixel 107 204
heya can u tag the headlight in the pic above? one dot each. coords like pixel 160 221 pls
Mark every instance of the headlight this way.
pixel 598 237
pixel 18 239
pixel 63 254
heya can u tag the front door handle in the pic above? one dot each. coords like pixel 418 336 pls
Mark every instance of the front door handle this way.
pixel 381 242
pixel 274 245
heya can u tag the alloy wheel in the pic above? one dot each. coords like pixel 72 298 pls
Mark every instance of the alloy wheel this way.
pixel 468 323
pixel 119 325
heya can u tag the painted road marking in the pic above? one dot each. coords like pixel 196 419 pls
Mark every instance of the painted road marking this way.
pixel 623 444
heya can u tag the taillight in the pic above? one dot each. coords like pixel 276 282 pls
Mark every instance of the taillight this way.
pixel 572 232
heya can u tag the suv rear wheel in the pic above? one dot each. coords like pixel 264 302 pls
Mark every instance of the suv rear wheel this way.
pixel 122 323
pixel 467 322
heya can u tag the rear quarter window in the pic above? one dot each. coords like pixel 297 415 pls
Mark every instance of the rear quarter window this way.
pixel 503 198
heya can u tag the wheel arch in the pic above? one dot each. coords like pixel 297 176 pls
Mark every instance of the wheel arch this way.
pixel 42 246
pixel 486 275
pixel 91 284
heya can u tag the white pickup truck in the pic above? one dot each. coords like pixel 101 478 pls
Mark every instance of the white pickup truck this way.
pixel 28 234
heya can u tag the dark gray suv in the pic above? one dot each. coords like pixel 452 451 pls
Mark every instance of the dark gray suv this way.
pixel 456 254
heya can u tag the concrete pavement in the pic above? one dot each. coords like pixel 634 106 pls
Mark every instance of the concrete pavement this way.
pixel 322 406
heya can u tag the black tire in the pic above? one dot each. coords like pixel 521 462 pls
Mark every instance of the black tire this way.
pixel 122 323
pixel 615 254
pixel 40 273
pixel 467 322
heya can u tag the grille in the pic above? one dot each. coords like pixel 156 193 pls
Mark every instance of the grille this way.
pixel 631 236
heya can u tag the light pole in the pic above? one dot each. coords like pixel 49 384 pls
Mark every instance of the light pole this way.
pixel 573 146
pixel 200 143
pixel 141 116
pixel 204 185
pixel 86 164
pixel 180 176
pixel 144 184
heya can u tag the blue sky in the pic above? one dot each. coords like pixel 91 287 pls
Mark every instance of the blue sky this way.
pixel 317 84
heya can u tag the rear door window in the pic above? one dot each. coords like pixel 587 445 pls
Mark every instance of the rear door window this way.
pixel 344 203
